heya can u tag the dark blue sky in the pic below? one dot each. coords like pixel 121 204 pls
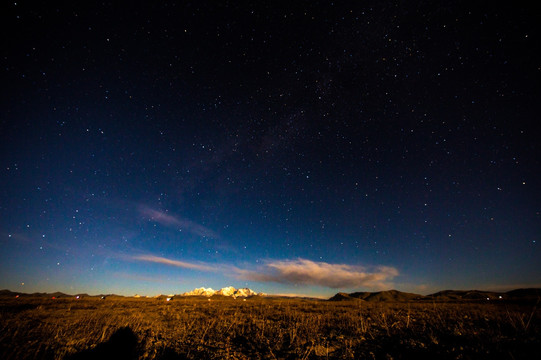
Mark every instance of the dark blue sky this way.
pixel 303 147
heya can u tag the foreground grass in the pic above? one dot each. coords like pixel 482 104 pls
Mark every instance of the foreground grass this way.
pixel 193 328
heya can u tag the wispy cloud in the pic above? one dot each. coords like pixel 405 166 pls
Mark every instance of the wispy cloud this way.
pixel 166 219
pixel 307 272
pixel 298 272
pixel 170 262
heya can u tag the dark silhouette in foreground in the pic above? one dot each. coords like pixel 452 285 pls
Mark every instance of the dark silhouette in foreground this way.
pixel 122 345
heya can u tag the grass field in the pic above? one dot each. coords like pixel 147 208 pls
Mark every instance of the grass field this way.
pixel 264 328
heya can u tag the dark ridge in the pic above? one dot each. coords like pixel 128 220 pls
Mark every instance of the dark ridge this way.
pixel 380 296
pixel 343 297
pixel 453 295
pixel 59 294
pixel 530 295
pixel 6 292
pixel 360 295
pixel 393 295
pixel 523 293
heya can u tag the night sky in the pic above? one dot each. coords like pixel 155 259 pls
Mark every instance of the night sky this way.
pixel 298 147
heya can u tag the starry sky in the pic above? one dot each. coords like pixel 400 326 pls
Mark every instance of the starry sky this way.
pixel 300 147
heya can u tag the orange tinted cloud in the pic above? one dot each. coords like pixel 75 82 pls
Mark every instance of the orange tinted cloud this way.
pixel 307 272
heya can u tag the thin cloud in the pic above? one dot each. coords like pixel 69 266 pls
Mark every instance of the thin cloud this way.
pixel 175 221
pixel 170 262
pixel 307 272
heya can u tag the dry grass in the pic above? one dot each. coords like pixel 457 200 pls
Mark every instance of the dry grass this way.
pixel 193 328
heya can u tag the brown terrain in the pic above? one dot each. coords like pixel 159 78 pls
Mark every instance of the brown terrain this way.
pixel 382 325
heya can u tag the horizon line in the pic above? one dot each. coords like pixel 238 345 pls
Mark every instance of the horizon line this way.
pixel 291 295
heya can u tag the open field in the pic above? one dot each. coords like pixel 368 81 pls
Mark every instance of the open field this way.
pixel 265 328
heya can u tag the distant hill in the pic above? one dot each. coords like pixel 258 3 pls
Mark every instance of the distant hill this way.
pixel 532 293
pixel 361 295
pixel 9 293
pixel 393 295
pixel 83 295
pixel 450 295
pixel 380 296
pixel 56 295
pixel 520 295
pixel 59 294
pixel 6 292
pixel 344 297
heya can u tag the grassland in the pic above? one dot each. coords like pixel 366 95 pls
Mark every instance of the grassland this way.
pixel 264 328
